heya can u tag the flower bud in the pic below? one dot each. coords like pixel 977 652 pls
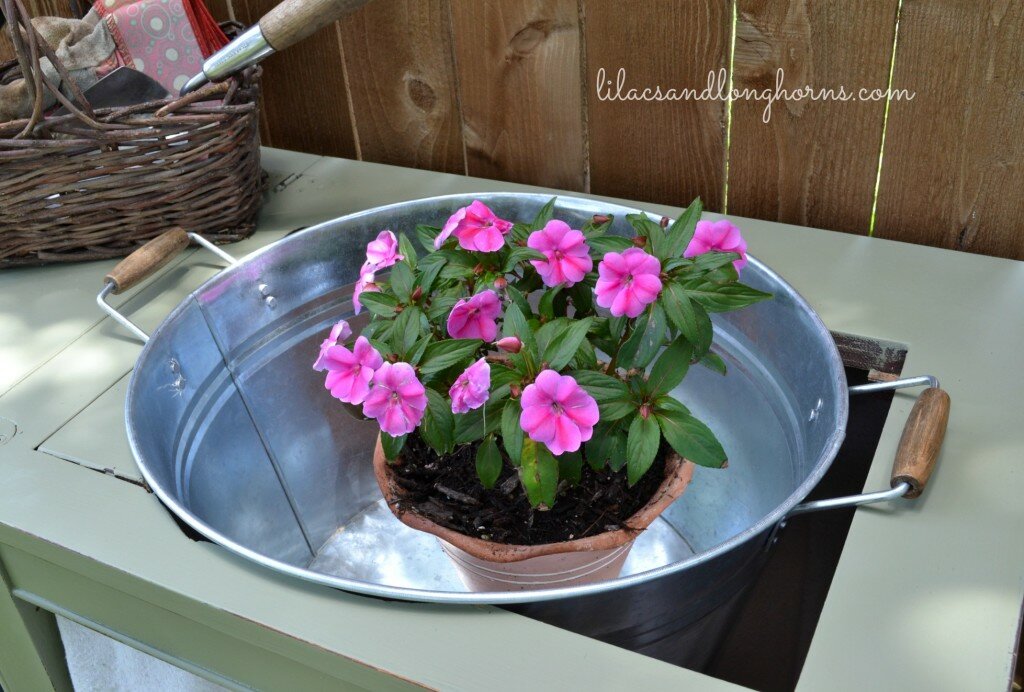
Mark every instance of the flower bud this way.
pixel 417 293
pixel 664 222
pixel 515 390
pixel 478 269
pixel 510 344
pixel 640 241
pixel 645 411
pixel 601 218
pixel 500 283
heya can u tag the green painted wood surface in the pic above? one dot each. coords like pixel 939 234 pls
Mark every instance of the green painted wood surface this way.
pixel 927 594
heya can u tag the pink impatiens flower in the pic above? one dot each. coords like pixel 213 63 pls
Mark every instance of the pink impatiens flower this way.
pixel 566 252
pixel 381 253
pixel 475 318
pixel 476 227
pixel 558 412
pixel 471 388
pixel 339 332
pixel 718 235
pixel 628 282
pixel 365 284
pixel 397 399
pixel 349 372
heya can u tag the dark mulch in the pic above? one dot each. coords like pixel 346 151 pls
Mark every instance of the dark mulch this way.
pixel 447 491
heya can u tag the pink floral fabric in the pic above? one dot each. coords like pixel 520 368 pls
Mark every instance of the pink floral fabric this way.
pixel 155 37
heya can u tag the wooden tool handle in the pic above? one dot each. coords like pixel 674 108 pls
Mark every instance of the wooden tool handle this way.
pixel 147 259
pixel 294 20
pixel 921 441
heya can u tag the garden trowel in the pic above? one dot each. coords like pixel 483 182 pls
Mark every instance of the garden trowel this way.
pixel 122 87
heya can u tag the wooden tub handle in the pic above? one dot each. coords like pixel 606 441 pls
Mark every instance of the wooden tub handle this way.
pixel 921 441
pixel 147 259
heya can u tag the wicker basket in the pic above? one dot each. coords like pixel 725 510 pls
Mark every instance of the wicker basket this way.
pixel 99 183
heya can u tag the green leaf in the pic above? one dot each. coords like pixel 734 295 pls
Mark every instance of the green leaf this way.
pixel 680 233
pixel 474 424
pixel 544 215
pixel 688 436
pixel 407 329
pixel 671 366
pixel 709 261
pixel 585 357
pixel 440 306
pixel 428 269
pixel 646 340
pixel 723 298
pixel 550 331
pixel 600 386
pixel 561 349
pixel 582 297
pixel 723 275
pixel 641 447
pixel 407 250
pixel 714 362
pixel 546 306
pixel 519 299
pixel 379 303
pixel 512 434
pixel 502 375
pixel 538 473
pixel 416 353
pixel 442 354
pixel 515 324
pixel 690 318
pixel 426 234
pixel 652 230
pixel 392 446
pixel 520 254
pixel 438 427
pixel 602 245
pixel 456 271
pixel 570 466
pixel 488 463
pixel 607 446
pixel 519 233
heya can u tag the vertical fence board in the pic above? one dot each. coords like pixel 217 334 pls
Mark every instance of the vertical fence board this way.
pixel 814 163
pixel 398 57
pixel 518 69
pixel 657 151
pixel 304 93
pixel 953 170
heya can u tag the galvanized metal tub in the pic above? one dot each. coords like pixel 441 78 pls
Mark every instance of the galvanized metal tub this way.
pixel 235 433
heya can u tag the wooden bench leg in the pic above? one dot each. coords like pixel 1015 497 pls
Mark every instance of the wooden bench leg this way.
pixel 31 651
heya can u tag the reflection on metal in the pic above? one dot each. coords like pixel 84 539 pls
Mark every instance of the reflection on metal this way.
pixel 852 500
pixel 902 383
pixel 248 49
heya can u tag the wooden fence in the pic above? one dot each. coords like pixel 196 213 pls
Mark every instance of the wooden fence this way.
pixel 508 89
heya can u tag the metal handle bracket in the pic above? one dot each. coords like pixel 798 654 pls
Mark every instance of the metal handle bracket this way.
pixel 109 287
pixel 899 489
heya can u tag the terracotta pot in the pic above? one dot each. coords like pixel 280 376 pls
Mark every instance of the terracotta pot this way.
pixel 487 566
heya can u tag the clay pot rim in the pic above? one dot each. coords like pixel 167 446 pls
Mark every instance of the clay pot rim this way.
pixel 678 473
